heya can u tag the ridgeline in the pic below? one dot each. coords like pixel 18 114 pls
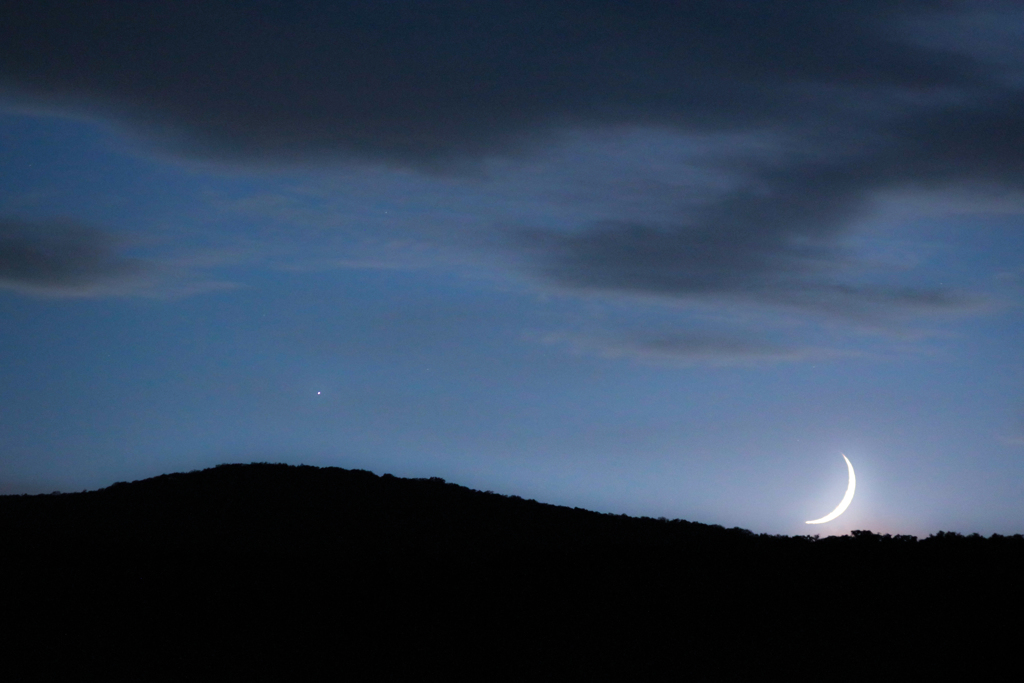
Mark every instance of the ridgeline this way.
pixel 275 571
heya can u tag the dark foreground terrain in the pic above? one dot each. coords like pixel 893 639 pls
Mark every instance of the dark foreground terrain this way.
pixel 272 572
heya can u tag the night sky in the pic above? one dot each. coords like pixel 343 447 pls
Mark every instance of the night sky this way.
pixel 645 257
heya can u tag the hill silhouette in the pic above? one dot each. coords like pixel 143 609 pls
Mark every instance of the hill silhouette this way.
pixel 275 571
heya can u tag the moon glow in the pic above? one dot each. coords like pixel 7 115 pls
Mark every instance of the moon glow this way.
pixel 845 502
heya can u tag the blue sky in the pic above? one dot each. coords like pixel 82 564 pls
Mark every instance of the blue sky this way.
pixel 674 281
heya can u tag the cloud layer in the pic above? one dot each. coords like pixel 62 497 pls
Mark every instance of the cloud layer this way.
pixel 420 82
pixel 866 98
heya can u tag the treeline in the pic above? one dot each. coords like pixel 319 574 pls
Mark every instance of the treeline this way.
pixel 255 567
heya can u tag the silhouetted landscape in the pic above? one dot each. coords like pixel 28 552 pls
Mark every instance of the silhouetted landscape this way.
pixel 271 569
pixel 697 259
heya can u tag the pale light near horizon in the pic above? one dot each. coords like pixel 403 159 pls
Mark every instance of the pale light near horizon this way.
pixel 847 499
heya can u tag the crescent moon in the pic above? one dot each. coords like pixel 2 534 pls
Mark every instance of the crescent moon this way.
pixel 845 502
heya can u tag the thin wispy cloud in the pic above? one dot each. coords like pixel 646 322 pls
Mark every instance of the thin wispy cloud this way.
pixel 694 348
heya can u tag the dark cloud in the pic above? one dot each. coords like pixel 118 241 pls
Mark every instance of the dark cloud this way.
pixel 778 237
pixel 418 82
pixel 61 259
pixel 863 101
pixel 775 240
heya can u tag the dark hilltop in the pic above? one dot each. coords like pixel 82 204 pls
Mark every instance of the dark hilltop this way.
pixel 275 571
